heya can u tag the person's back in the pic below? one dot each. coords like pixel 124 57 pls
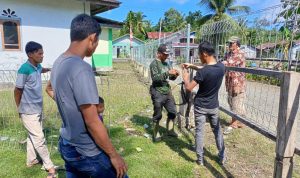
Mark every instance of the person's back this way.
pixel 69 84
pixel 84 143
pixel 206 104
pixel 210 80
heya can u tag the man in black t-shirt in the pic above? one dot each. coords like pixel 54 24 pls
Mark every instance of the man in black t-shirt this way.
pixel 206 103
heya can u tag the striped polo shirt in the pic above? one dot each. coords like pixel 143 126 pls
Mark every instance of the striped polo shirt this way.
pixel 29 79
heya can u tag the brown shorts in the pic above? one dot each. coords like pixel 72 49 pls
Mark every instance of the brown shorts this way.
pixel 236 103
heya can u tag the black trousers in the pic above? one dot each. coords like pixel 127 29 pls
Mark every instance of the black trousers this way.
pixel 159 101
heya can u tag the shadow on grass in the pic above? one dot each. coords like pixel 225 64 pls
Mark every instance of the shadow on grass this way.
pixel 176 144
pixel 61 173
pixel 212 169
pixel 121 140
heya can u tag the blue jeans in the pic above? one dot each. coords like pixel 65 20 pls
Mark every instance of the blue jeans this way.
pixel 79 166
pixel 200 118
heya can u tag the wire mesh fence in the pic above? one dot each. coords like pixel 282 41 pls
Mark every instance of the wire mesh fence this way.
pixel 270 41
pixel 269 37
pixel 12 133
pixel 117 104
pixel 259 104
pixel 177 42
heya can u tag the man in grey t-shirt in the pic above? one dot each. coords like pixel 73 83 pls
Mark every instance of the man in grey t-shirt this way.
pixel 84 143
pixel 29 100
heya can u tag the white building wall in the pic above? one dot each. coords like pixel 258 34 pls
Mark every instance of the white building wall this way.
pixel 44 21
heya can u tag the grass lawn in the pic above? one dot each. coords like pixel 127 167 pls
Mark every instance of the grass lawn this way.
pixel 128 109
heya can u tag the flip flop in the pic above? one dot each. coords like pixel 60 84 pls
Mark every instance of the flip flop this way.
pixel 51 175
pixel 228 130
pixel 32 163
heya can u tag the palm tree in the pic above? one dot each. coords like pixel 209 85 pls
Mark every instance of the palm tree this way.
pixel 220 8
pixel 135 21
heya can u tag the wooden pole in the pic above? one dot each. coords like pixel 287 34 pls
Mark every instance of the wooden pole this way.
pixel 287 124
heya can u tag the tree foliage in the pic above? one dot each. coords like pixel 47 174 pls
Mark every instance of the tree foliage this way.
pixel 194 18
pixel 220 9
pixel 172 21
pixel 138 24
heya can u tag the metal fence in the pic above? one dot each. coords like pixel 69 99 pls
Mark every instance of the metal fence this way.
pixel 176 42
pixel 12 133
pixel 269 39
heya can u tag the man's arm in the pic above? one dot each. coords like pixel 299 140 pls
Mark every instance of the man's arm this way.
pixel 191 66
pixel 49 90
pixel 99 134
pixel 44 70
pixel 18 95
pixel 189 85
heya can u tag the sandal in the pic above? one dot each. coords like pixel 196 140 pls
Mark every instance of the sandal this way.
pixel 228 130
pixel 51 175
pixel 32 163
pixel 55 167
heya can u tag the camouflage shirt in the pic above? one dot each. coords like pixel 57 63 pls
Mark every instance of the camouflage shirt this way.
pixel 159 74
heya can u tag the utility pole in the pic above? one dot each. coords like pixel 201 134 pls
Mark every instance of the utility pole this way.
pixel 159 31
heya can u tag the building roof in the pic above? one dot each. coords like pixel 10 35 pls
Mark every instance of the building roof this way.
pixel 98 6
pixel 264 46
pixel 184 45
pixel 127 35
pixel 104 22
pixel 155 35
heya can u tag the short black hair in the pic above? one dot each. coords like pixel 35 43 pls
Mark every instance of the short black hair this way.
pixel 32 47
pixel 206 47
pixel 101 100
pixel 82 26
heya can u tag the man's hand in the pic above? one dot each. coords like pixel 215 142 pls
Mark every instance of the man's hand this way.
pixel 119 164
pixel 185 65
pixel 190 66
pixel 49 90
pixel 173 72
pixel 185 74
pixel 98 131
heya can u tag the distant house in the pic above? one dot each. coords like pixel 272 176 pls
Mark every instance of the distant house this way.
pixel 179 44
pixel 276 50
pixel 121 46
pixel 250 52
pixel 295 53
pixel 157 35
pixel 48 22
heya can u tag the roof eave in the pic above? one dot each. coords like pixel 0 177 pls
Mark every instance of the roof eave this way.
pixel 111 26
pixel 102 6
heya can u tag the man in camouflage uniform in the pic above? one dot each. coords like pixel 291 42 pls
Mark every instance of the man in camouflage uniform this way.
pixel 160 91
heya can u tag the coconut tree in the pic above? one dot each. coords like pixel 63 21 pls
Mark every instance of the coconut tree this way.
pixel 135 21
pixel 221 11
pixel 221 8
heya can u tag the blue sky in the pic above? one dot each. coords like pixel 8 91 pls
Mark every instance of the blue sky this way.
pixel 154 9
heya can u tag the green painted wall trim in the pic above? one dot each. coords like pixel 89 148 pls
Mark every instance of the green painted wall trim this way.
pixel 110 53
pixel 104 60
pixel 101 60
